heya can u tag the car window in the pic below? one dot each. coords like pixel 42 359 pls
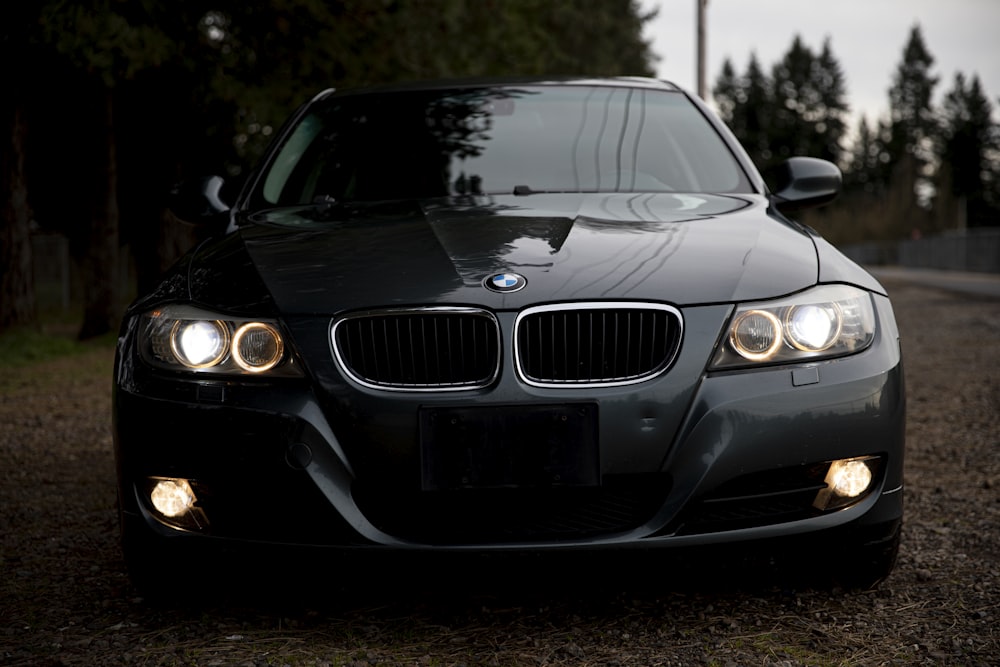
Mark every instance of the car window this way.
pixel 418 144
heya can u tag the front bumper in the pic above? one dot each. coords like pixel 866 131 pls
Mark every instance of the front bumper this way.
pixel 731 458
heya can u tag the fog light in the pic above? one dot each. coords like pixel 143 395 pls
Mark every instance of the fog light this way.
pixel 172 497
pixel 846 481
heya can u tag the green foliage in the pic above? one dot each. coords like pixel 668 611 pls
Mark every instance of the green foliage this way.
pixel 192 88
pixel 108 39
pixel 22 347
pixel 241 68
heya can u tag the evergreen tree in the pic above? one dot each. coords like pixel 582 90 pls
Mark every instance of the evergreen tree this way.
pixel 726 93
pixel 862 171
pixel 17 289
pixel 757 101
pixel 164 89
pixel 912 125
pixel 744 104
pixel 794 98
pixel 970 142
pixel 828 77
pixel 809 104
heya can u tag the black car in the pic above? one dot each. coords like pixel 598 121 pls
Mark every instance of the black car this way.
pixel 520 316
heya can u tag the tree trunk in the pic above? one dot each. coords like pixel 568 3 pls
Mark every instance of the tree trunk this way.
pixel 17 286
pixel 99 266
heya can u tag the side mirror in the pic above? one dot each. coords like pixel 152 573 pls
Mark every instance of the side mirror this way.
pixel 198 201
pixel 804 182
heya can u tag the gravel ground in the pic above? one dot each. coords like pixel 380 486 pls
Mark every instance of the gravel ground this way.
pixel 65 600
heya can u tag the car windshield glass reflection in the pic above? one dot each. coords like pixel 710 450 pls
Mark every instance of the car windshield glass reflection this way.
pixel 420 144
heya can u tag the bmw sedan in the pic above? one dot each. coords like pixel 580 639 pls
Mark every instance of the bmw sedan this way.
pixel 514 316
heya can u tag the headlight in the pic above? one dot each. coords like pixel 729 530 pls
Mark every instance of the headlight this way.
pixel 180 337
pixel 827 321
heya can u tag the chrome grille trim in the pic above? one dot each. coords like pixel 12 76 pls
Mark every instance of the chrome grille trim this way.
pixel 644 341
pixel 418 349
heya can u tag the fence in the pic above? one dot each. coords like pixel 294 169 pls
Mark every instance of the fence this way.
pixel 974 250
pixel 58 288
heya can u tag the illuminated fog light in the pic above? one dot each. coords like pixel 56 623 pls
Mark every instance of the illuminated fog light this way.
pixel 199 343
pixel 172 497
pixel 846 480
pixel 756 335
pixel 813 327
pixel 257 347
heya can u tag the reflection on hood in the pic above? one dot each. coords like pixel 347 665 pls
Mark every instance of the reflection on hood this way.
pixel 567 246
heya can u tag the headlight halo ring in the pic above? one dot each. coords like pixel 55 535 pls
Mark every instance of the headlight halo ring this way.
pixel 747 351
pixel 271 360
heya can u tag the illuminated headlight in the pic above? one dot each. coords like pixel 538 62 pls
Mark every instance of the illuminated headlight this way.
pixel 199 343
pixel 827 321
pixel 181 337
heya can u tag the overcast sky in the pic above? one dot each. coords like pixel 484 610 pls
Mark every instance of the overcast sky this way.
pixel 867 37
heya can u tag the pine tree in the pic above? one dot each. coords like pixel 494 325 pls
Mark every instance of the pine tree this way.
pixel 726 93
pixel 744 104
pixel 970 141
pixel 862 171
pixel 757 113
pixel 828 77
pixel 809 103
pixel 794 98
pixel 912 124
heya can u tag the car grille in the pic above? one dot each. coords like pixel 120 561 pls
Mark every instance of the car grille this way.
pixel 432 349
pixel 515 515
pixel 596 344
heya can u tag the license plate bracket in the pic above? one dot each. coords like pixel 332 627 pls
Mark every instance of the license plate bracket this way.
pixel 519 446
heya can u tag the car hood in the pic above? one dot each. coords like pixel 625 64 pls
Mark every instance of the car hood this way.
pixel 681 249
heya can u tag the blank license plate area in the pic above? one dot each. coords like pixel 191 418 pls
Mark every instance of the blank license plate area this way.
pixel 509 447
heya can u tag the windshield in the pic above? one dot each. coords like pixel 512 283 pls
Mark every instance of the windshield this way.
pixel 417 144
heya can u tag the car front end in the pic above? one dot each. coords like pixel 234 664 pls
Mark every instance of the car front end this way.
pixel 512 372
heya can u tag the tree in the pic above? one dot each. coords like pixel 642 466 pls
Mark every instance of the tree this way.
pixel 912 124
pixel 137 94
pixel 828 77
pixel 863 168
pixel 745 104
pixel 17 293
pixel 88 51
pixel 17 296
pixel 809 105
pixel 726 93
pixel 970 143
pixel 798 110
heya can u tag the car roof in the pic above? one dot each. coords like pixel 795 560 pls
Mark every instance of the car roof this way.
pixel 487 82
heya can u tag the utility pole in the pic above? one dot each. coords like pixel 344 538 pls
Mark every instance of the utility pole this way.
pixel 701 4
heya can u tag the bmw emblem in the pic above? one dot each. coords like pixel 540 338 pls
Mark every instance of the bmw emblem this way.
pixel 505 282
